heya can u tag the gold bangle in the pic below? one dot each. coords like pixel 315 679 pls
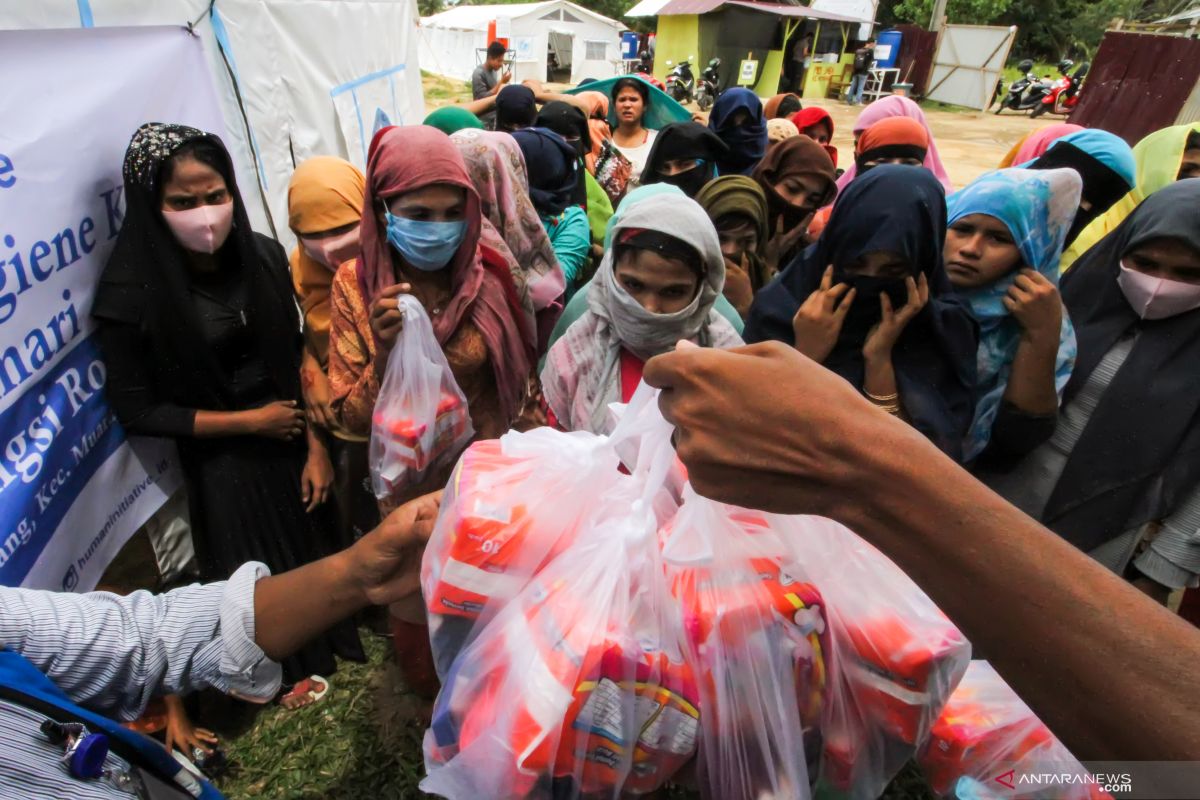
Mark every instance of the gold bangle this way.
pixel 887 398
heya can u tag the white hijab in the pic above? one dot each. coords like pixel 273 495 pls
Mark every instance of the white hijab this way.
pixel 582 373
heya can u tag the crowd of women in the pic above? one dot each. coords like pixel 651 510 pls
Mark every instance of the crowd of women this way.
pixel 550 278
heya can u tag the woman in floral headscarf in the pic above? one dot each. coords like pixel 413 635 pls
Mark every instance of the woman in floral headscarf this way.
pixel 1005 234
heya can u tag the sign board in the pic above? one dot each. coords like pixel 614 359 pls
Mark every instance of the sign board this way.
pixel 747 73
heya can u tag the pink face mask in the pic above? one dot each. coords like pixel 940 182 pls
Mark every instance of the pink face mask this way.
pixel 332 251
pixel 202 229
pixel 1157 298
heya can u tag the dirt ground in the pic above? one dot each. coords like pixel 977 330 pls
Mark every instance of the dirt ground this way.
pixel 970 142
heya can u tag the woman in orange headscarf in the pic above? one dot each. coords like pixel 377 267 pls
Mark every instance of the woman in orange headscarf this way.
pixel 325 201
pixel 598 124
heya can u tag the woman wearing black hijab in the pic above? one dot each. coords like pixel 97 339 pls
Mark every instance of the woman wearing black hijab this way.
pixel 201 338
pixel 871 301
pixel 570 123
pixel 684 154
pixel 1120 479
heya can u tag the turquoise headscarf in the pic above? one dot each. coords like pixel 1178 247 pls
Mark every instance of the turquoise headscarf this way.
pixel 1109 149
pixel 632 199
pixel 662 110
pixel 1037 207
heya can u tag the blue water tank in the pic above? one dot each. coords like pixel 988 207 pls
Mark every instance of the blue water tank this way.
pixel 887 48
pixel 629 46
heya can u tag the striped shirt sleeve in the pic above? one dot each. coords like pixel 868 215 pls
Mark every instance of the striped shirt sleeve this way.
pixel 112 654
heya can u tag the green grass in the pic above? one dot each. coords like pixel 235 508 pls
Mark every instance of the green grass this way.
pixel 444 90
pixel 363 740
pixel 1040 68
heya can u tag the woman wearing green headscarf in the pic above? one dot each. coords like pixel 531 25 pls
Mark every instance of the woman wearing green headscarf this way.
pixel 737 206
pixel 1163 157
pixel 451 119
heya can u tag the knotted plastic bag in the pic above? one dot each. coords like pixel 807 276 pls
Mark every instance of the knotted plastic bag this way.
pixel 421 421
pixel 573 682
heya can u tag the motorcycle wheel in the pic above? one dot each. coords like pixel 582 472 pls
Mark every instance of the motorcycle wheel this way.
pixel 705 102
pixel 1038 110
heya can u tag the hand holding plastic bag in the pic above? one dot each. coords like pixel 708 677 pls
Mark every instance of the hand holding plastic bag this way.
pixel 421 420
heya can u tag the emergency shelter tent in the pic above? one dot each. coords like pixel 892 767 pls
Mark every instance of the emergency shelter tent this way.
pixel 295 79
pixel 582 43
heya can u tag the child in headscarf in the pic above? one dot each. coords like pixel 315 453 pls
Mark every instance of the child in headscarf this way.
pixel 1161 158
pixel 497 169
pixel 737 207
pixel 797 178
pixel 685 154
pixel 895 140
pixel 1120 479
pixel 420 235
pixel 782 106
pixel 780 129
pixel 898 106
pixel 516 108
pixel 554 171
pixel 815 123
pixel 737 117
pixel 871 301
pixel 1002 248
pixel 1037 142
pixel 1103 161
pixel 325 200
pixel 656 285
pixel 569 122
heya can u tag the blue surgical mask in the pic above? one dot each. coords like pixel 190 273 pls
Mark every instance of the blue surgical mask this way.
pixel 428 246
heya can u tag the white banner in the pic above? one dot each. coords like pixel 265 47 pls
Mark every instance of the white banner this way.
pixel 72 488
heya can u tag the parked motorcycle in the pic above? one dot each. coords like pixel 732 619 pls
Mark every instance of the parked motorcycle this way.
pixel 709 87
pixel 1064 95
pixel 1026 92
pixel 681 83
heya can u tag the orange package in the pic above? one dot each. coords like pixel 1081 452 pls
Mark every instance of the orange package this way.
pixel 900 676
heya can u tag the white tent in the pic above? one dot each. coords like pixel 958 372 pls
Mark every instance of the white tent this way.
pixel 453 42
pixel 295 79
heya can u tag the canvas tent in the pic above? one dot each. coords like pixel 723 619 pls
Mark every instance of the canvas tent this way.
pixel 295 79
pixel 584 44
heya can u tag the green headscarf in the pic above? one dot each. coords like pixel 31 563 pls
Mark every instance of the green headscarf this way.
pixel 450 119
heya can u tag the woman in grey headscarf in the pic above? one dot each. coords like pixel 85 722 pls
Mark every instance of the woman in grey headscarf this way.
pixel 656 285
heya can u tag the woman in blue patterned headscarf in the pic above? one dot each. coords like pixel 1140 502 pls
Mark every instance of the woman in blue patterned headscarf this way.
pixel 1006 232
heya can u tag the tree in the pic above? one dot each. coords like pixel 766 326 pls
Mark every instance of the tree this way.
pixel 965 12
pixel 427 8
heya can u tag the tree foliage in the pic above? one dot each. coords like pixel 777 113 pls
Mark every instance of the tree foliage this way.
pixel 965 12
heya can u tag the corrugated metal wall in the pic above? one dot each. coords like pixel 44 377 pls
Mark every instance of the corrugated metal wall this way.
pixel 1139 83
pixel 917 48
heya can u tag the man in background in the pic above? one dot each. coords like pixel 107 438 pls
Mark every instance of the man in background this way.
pixel 864 59
pixel 487 79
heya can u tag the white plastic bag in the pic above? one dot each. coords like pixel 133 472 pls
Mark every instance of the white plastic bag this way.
pixel 421 421
pixel 984 732
pixel 573 682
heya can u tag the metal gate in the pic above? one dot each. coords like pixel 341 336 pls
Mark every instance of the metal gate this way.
pixel 968 63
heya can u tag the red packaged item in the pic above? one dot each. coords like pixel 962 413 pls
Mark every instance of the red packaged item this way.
pixel 986 731
pixel 421 420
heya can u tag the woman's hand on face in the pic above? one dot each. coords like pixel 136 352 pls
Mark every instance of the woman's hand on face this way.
pixel 278 420
pixel 784 240
pixel 818 322
pixel 387 320
pixel 1034 300
pixel 739 291
pixel 886 333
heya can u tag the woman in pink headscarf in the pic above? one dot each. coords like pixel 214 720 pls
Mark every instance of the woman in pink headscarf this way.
pixel 497 168
pixel 1037 143
pixel 897 106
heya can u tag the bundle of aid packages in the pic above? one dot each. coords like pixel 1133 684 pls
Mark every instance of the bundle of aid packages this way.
pixel 421 420
pixel 601 630
pixel 987 743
